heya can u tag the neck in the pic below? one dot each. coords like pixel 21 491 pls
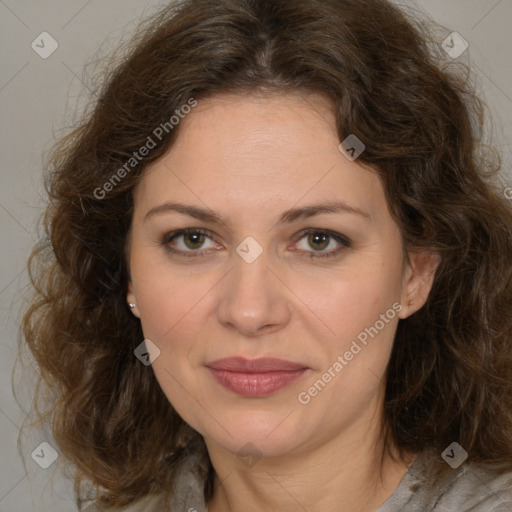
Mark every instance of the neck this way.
pixel 351 472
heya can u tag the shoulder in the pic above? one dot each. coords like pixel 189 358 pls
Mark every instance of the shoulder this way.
pixel 431 485
pixel 151 503
pixel 187 494
pixel 476 488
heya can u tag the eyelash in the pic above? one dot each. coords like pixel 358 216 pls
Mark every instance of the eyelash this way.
pixel 341 239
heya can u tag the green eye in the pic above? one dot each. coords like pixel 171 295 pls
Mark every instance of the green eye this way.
pixel 194 240
pixel 189 242
pixel 320 240
pixel 313 243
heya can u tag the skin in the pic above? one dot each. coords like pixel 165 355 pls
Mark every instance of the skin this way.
pixel 249 159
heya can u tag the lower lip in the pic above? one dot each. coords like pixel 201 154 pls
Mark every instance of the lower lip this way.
pixel 256 384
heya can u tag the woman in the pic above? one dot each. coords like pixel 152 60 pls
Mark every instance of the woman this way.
pixel 278 275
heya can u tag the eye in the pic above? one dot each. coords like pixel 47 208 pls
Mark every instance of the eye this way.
pixel 321 241
pixel 195 242
pixel 189 241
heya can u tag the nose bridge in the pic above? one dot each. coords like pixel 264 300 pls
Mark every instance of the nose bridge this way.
pixel 253 298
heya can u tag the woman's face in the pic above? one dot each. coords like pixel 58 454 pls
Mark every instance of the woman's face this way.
pixel 268 271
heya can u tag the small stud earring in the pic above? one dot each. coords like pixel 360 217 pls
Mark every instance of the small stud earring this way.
pixel 131 305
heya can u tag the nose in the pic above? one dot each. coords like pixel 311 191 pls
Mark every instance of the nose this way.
pixel 254 300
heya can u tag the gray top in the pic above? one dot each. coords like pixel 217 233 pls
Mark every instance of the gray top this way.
pixel 424 488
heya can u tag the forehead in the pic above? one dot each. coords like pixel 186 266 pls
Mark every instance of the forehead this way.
pixel 245 124
pixel 253 151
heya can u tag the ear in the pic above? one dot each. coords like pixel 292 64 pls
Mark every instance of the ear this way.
pixel 418 279
pixel 131 299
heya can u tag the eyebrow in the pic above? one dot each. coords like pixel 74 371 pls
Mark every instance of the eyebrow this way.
pixel 287 217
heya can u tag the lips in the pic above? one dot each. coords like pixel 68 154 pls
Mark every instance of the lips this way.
pixel 257 377
pixel 262 365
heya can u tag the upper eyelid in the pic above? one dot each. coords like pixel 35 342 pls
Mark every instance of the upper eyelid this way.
pixel 182 232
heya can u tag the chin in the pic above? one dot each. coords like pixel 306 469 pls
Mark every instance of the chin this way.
pixel 261 433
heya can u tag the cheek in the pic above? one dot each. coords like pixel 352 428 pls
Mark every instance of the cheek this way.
pixel 173 313
pixel 353 299
pixel 171 304
pixel 361 313
pixel 168 295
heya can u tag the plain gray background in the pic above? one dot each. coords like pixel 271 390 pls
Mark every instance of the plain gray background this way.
pixel 39 96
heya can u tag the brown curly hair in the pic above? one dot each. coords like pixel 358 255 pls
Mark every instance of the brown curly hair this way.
pixel 390 84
